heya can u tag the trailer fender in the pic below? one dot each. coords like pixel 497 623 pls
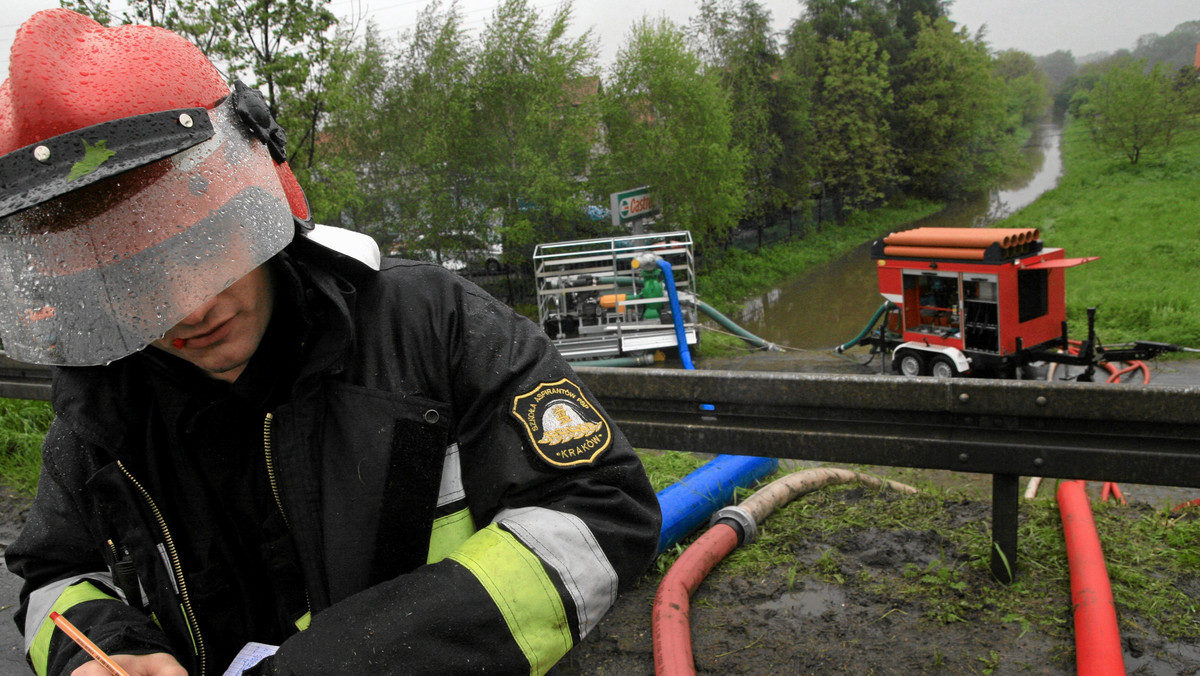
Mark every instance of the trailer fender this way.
pixel 918 359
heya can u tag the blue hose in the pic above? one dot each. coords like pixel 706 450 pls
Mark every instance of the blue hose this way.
pixel 677 313
pixel 687 504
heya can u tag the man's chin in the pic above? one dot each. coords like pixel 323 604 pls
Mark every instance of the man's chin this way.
pixel 224 371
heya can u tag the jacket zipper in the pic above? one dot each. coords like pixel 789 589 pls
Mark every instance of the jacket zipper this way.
pixel 176 569
pixel 268 433
pixel 268 430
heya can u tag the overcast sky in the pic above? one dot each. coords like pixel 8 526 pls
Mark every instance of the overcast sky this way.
pixel 1035 26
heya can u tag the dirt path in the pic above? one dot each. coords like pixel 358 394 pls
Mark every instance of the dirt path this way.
pixel 782 623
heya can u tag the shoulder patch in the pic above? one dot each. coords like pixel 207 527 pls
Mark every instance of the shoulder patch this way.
pixel 563 426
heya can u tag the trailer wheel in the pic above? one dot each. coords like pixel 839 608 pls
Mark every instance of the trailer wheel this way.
pixel 942 367
pixel 911 364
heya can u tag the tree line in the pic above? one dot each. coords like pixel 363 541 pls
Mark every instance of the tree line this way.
pixel 444 139
pixel 1132 101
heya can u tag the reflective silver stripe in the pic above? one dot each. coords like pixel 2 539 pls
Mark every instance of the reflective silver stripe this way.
pixel 452 484
pixel 565 543
pixel 42 600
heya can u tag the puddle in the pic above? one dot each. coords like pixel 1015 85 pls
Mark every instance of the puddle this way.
pixel 1156 663
pixel 815 600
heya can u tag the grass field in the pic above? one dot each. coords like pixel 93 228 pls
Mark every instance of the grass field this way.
pixel 1143 221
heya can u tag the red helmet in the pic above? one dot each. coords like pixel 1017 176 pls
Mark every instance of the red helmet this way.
pixel 134 187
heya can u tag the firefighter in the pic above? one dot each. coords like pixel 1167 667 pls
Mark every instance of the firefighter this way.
pixel 258 437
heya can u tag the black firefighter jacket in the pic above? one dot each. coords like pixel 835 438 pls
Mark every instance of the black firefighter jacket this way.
pixel 455 500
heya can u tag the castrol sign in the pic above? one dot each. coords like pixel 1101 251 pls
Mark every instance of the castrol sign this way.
pixel 632 204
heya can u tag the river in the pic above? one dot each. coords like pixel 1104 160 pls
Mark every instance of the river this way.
pixel 827 306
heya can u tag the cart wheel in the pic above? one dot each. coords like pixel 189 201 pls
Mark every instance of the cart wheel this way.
pixel 942 367
pixel 911 364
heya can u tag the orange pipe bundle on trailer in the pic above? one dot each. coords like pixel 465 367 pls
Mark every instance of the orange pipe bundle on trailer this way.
pixel 963 238
pixel 934 252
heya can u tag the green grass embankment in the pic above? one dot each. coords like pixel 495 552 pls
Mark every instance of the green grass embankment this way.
pixel 1143 221
pixel 23 425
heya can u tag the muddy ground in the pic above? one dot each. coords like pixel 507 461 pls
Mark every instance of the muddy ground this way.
pixel 775 625
pixel 778 624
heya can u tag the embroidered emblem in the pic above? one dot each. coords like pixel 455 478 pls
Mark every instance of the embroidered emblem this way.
pixel 562 424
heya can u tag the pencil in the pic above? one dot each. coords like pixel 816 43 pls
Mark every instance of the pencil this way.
pixel 87 645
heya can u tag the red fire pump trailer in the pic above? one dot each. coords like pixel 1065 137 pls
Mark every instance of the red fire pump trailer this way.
pixel 983 301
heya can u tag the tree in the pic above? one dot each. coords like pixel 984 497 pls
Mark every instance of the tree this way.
pixel 535 120
pixel 345 175
pixel 839 19
pixel 669 127
pixel 1027 92
pixel 1176 49
pixel 737 44
pixel 431 151
pixel 1058 66
pixel 792 115
pixel 1132 111
pixel 951 119
pixel 857 161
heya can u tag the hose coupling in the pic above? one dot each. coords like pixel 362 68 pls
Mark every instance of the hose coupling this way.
pixel 744 524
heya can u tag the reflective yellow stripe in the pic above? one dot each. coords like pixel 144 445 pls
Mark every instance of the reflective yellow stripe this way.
pixel 521 589
pixel 448 533
pixel 39 649
pixel 304 621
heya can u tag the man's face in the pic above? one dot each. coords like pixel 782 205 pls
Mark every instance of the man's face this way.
pixel 221 335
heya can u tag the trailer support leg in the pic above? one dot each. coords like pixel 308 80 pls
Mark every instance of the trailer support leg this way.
pixel 1005 493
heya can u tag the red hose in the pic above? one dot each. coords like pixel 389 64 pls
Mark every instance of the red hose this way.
pixel 1185 505
pixel 1097 640
pixel 671 623
pixel 671 628
pixel 1133 366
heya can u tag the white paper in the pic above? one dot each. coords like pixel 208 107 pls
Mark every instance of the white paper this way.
pixel 251 654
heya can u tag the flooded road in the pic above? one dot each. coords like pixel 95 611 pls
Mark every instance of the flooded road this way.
pixel 830 305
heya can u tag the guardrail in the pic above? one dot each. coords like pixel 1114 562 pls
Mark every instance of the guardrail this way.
pixel 1142 434
pixel 19 380
pixel 1009 429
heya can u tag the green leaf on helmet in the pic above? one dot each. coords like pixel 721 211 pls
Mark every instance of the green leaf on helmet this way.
pixel 93 157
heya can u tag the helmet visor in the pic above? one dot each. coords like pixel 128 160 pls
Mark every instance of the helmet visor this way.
pixel 102 271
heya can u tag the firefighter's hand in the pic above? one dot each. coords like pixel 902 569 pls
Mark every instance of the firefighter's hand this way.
pixel 155 664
